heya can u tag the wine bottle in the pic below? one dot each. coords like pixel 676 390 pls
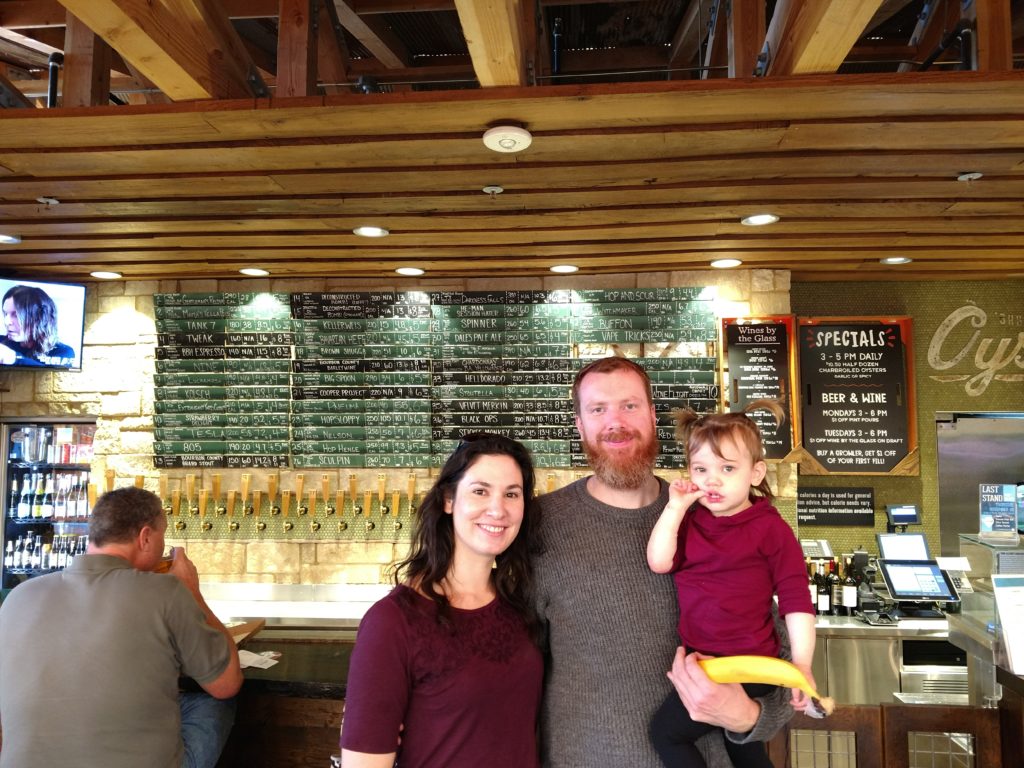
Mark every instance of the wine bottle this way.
pixel 836 587
pixel 12 503
pixel 9 555
pixel 824 593
pixel 37 500
pixel 19 553
pixel 25 503
pixel 82 494
pixel 47 511
pixel 60 502
pixel 849 589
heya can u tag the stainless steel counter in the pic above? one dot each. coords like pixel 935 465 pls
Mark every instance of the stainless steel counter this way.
pixel 844 626
pixel 974 630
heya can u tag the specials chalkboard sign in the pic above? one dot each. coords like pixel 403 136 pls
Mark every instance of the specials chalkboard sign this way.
pixel 857 396
pixel 761 354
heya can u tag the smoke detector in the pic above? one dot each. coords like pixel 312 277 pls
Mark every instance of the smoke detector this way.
pixel 507 138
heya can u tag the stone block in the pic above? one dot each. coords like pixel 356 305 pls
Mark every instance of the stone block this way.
pixel 136 442
pixel 196 286
pixel 126 466
pixel 219 557
pixel 342 574
pixel 653 280
pixel 18 386
pixel 110 304
pixel 769 304
pixel 144 305
pixel 379 552
pixel 141 287
pixel 762 280
pixel 590 282
pixel 121 404
pixel 275 557
pixel 298 285
pixel 783 280
pixel 112 288
pixel 168 286
pixel 122 325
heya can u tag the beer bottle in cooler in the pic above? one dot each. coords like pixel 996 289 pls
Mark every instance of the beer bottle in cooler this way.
pixel 9 555
pixel 37 500
pixel 12 502
pixel 47 511
pixel 19 552
pixel 60 501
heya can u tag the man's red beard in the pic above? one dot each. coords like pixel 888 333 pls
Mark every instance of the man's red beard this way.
pixel 624 471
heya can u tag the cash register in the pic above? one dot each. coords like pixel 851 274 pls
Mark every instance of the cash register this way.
pixel 918 587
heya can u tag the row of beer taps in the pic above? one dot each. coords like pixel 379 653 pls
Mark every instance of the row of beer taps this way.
pixel 298 501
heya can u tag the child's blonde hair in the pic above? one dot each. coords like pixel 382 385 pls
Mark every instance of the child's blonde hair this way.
pixel 696 430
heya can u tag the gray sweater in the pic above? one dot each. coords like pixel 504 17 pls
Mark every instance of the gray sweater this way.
pixel 611 631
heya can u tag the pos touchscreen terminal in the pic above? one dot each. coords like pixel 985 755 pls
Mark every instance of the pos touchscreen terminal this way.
pixel 912 583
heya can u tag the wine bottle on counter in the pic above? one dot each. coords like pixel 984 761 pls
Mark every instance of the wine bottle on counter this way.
pixel 849 589
pixel 824 592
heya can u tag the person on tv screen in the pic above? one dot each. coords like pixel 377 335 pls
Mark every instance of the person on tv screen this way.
pixel 30 323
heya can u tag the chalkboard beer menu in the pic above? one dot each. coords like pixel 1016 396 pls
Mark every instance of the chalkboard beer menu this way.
pixel 760 354
pixel 394 379
pixel 857 393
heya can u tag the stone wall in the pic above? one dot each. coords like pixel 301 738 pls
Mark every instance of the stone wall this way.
pixel 116 386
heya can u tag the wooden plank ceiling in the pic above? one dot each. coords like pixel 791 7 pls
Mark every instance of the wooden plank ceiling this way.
pixel 192 138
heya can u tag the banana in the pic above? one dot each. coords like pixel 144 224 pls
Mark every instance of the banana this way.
pixel 768 670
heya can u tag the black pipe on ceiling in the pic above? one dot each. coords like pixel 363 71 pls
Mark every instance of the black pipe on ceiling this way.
pixel 556 45
pixel 961 33
pixel 55 62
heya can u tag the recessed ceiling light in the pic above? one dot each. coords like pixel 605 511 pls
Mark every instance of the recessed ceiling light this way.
pixel 759 219
pixel 409 271
pixel 48 200
pixel 725 263
pixel 254 272
pixel 507 138
pixel 367 231
pixel 565 269
pixel 10 239
pixel 493 189
pixel 895 260
pixel 969 176
pixel 106 275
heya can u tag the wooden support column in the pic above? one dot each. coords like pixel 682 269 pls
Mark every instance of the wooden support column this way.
pixel 296 49
pixel 331 51
pixel 994 38
pixel 746 35
pixel 86 67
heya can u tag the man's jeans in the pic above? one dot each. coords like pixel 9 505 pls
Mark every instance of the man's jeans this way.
pixel 205 725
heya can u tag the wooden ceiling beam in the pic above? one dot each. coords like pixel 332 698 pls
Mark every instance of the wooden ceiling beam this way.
pixel 886 11
pixel 25 50
pixel 372 7
pixel 815 37
pixel 11 96
pixel 494 35
pixel 692 29
pixel 86 67
pixel 296 49
pixel 376 36
pixel 331 51
pixel 182 46
pixel 746 36
pixel 994 35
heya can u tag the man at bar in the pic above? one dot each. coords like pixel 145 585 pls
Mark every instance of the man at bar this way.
pixel 611 622
pixel 92 654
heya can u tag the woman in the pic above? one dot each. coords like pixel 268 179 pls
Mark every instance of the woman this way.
pixel 449 657
pixel 30 319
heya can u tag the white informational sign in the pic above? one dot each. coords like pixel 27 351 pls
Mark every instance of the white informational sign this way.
pixel 1009 591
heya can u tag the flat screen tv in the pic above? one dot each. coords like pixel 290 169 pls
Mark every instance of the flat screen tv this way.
pixel 42 326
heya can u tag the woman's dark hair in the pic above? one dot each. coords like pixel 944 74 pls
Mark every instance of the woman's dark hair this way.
pixel 37 315
pixel 433 542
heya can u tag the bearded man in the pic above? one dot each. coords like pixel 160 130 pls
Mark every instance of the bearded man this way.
pixel 612 653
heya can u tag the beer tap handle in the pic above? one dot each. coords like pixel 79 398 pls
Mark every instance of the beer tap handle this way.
pixel 257 502
pixel 190 488
pixel 216 488
pixel 231 503
pixel 352 487
pixel 312 501
pixel 110 481
pixel 325 487
pixel 382 481
pixel 300 484
pixel 286 501
pixel 367 503
pixel 339 501
pixel 271 489
pixel 176 501
pixel 245 488
pixel 203 495
pixel 410 489
pixel 396 499
pixel 140 481
pixel 551 482
pixel 162 482
pixel 90 492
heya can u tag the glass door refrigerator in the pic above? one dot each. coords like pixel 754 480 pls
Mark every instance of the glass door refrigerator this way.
pixel 45 476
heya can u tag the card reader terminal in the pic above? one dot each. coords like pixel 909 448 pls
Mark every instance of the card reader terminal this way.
pixel 878 618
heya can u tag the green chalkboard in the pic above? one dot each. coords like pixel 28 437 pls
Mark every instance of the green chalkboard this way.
pixel 394 379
